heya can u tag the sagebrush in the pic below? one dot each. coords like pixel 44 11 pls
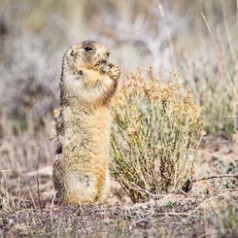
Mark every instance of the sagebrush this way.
pixel 157 127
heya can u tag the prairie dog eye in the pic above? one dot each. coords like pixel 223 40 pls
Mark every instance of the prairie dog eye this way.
pixel 88 48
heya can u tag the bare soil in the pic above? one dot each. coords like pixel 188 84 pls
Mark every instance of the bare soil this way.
pixel 27 208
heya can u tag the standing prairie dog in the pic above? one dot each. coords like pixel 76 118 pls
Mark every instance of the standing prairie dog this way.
pixel 88 82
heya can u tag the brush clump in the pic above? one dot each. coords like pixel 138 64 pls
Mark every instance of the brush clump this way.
pixel 157 128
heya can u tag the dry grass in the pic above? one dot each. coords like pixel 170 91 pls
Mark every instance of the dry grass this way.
pixel 213 80
pixel 156 129
pixel 227 222
pixel 188 217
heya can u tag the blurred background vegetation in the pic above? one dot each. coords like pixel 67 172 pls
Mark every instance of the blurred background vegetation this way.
pixel 198 38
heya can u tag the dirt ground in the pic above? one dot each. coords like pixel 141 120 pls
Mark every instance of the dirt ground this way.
pixel 27 208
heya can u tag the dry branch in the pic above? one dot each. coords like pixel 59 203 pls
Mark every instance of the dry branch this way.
pixel 189 183
pixel 214 177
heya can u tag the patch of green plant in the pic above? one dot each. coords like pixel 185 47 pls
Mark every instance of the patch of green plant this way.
pixel 170 204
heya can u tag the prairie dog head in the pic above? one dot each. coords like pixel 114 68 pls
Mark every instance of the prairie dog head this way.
pixel 85 66
pixel 87 55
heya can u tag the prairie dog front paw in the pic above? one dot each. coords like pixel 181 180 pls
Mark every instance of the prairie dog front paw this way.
pixel 114 72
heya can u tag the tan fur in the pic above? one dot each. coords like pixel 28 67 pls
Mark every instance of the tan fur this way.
pixel 88 82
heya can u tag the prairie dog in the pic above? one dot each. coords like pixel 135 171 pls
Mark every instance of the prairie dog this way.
pixel 88 82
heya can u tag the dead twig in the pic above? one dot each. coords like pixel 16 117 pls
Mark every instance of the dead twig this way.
pixel 189 183
pixel 151 195
pixel 214 177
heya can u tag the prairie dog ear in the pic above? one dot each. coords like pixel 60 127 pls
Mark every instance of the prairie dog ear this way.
pixel 72 53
